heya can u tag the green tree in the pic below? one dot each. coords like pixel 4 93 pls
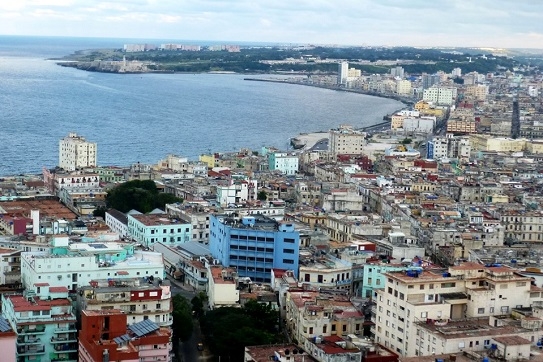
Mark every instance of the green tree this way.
pixel 406 141
pixel 99 212
pixel 182 318
pixel 262 195
pixel 255 323
pixel 139 195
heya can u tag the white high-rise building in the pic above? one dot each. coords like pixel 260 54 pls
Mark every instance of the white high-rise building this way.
pixel 343 73
pixel 75 152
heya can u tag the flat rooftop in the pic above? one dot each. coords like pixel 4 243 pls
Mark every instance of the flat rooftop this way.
pixel 47 208
pixel 159 219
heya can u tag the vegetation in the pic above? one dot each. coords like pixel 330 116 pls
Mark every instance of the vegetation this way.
pixel 138 195
pixel 262 195
pixel 198 304
pixel 406 141
pixel 248 59
pixel 182 318
pixel 228 330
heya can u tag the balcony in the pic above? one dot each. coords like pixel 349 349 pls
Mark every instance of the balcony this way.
pixel 30 351
pixel 66 347
pixel 68 339
pixel 40 329
pixel 372 330
pixel 64 359
pixel 70 328
pixel 21 341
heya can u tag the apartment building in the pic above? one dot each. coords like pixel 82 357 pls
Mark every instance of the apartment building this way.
pixel 469 290
pixel 222 290
pixel 440 95
pixel 148 229
pixel 237 191
pixel 326 272
pixel 117 222
pixel 139 298
pixel 44 322
pixel 73 265
pixel 286 163
pixel 106 336
pixel 74 152
pixel 523 226
pixel 254 245
pixel 196 215
pixel 345 140
pixel 8 341
pixel 311 314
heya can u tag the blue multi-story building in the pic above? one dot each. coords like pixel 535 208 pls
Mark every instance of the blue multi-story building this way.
pixel 254 245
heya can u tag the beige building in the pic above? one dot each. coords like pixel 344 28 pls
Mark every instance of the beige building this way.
pixel 521 226
pixel 74 152
pixel 222 289
pixel 313 314
pixel 477 92
pixel 345 141
pixel 403 87
pixel 469 290
pixel 498 144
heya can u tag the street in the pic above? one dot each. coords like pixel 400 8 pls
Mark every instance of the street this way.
pixel 188 350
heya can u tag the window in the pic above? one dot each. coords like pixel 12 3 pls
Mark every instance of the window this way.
pixel 481 311
pixel 289 240
pixel 288 261
pixel 288 251
pixel 424 314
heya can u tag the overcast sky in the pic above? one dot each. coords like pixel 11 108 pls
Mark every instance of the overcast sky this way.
pixel 477 23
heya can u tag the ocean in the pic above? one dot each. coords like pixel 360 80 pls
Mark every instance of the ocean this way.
pixel 144 117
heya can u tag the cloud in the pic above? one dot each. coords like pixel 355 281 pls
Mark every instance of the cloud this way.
pixel 500 23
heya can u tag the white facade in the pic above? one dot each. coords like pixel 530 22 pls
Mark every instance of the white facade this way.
pixel 78 269
pixel 422 124
pixel 403 87
pixel 343 73
pixel 75 152
pixel 238 191
pixel 440 95
pixel 284 162
pixel 117 222
pixel 222 289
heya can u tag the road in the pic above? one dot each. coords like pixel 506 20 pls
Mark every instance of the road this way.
pixel 188 350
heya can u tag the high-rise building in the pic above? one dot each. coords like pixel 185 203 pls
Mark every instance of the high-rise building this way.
pixel 343 73
pixel 75 152
pixel 345 141
pixel 397 72
pixel 254 245
pixel 429 80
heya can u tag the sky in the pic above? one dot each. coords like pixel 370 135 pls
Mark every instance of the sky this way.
pixel 469 23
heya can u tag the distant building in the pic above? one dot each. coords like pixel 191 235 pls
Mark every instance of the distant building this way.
pixel 284 162
pixel 397 72
pixel 345 141
pixel 254 245
pixel 278 352
pixel 75 153
pixel 343 73
pixel 222 290
pixel 117 221
pixel 440 95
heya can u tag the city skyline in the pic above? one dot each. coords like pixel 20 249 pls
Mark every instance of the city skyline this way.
pixel 454 23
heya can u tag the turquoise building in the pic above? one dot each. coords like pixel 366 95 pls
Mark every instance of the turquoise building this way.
pixel 373 276
pixel 284 162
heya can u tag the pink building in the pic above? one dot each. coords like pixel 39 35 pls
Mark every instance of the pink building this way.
pixel 8 341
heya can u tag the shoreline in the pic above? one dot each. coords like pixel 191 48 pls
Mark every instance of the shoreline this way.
pixel 407 102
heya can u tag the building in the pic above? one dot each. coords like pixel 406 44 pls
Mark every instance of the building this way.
pixel 254 245
pixel 277 352
pixel 397 72
pixel 44 322
pixel 148 229
pixel 403 87
pixel 428 80
pixel 284 162
pixel 117 222
pixel 345 141
pixel 343 73
pixel 222 290
pixel 72 265
pixel 313 314
pixel 140 298
pixel 419 125
pixel 105 336
pixel 75 152
pixel 373 275
pixel 440 95
pixel 469 290
pixel 448 147
pixel 8 341
pixel 238 191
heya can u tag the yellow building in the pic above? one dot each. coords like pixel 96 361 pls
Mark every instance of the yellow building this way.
pixel 497 144
pixel 396 121
pixel 427 109
pixel 208 159
pixel 535 146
